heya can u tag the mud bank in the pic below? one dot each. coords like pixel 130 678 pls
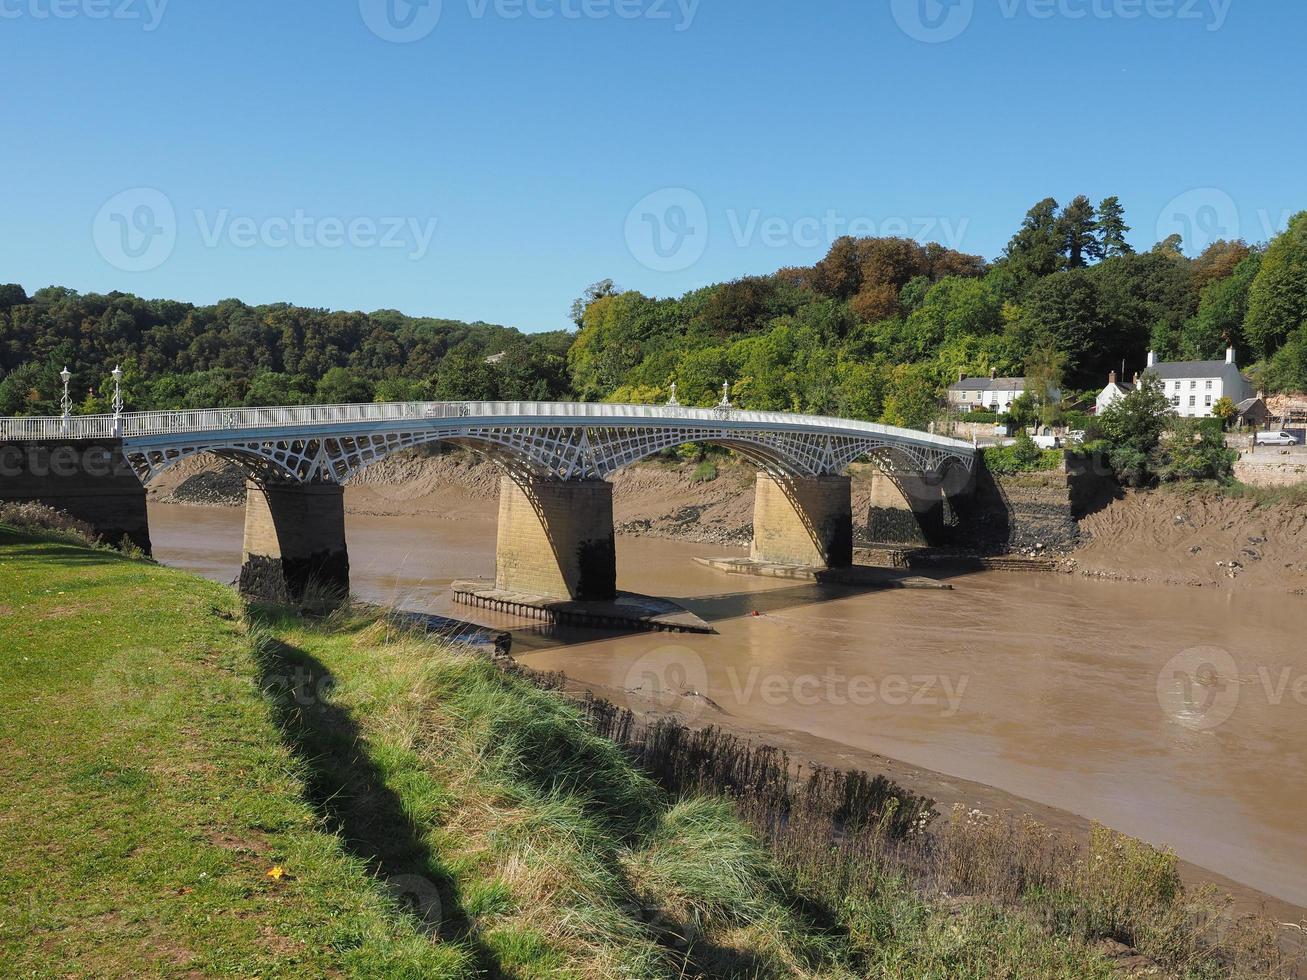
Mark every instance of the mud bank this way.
pixel 1204 539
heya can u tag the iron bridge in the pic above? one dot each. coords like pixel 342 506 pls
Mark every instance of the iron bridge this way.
pixel 544 440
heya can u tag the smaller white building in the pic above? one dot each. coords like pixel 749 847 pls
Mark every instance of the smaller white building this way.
pixel 1194 387
pixel 990 394
pixel 1115 391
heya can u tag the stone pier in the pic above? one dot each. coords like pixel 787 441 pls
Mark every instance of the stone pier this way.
pixel 556 539
pixel 294 542
pixel 803 521
pixel 906 510
pixel 91 480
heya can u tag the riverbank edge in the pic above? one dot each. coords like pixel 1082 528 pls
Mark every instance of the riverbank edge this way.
pixel 946 790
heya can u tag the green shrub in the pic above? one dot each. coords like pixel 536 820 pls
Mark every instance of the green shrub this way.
pixel 1023 456
pixel 981 417
pixel 35 518
pixel 1194 449
pixel 705 472
pixel 1078 420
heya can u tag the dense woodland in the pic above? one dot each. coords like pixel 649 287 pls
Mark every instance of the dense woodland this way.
pixel 874 330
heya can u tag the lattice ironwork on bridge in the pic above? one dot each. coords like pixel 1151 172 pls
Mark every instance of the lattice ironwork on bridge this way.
pixel 558 440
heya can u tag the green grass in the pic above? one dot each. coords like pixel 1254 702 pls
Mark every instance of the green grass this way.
pixel 146 792
pixel 161 749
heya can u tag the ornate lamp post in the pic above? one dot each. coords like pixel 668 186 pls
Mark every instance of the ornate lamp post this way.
pixel 117 375
pixel 672 402
pixel 66 403
pixel 726 396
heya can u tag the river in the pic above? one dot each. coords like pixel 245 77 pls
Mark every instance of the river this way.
pixel 1177 715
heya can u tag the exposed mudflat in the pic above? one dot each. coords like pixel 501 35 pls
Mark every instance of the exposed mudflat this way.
pixel 1197 539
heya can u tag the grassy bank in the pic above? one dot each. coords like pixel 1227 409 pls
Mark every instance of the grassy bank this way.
pixel 190 789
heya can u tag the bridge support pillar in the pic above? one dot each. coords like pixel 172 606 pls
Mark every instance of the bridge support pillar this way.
pixel 906 510
pixel 294 542
pixel 803 521
pixel 90 480
pixel 556 539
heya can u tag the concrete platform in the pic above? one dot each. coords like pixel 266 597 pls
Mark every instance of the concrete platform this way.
pixel 627 611
pixel 855 575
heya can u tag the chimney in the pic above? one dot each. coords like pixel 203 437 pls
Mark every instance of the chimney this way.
pixel 1229 355
pixel 1136 377
pixel 1111 378
pixel 993 373
pixel 1152 358
pixel 962 376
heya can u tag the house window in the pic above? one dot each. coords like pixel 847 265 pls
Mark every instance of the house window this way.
pixel 1209 385
pixel 1193 399
pixel 1207 400
pixel 1193 384
pixel 1175 400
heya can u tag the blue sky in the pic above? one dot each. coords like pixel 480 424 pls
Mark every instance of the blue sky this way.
pixel 491 161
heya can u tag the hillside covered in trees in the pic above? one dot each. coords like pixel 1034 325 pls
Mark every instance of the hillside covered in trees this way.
pixel 874 330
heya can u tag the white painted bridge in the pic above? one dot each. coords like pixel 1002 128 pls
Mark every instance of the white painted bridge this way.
pixel 555 534
pixel 327 444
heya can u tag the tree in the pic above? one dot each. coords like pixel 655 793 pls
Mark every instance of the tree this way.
pixel 1044 370
pixel 1277 299
pixel 340 386
pixel 1287 370
pixel 1078 231
pixel 1062 312
pixel 1219 260
pixel 1112 229
pixel 1036 249
pixel 12 294
pixel 1192 451
pixel 598 290
pixel 1023 412
pixel 1133 425
pixel 464 375
pixel 1225 409
pixel 910 397
pixel 1222 310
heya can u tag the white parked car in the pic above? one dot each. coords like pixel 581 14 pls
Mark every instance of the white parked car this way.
pixel 1277 438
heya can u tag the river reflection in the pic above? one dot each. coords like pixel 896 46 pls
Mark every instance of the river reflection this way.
pixel 1060 689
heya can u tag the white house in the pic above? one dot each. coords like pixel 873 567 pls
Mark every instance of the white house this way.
pixel 1194 387
pixel 1114 391
pixel 990 394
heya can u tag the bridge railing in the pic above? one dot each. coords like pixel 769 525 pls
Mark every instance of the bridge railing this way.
pixel 215 420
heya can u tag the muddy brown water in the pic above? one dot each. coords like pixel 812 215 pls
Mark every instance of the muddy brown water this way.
pixel 1177 715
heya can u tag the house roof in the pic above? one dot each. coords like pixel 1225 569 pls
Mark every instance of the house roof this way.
pixel 1248 404
pixel 1166 370
pixel 1124 386
pixel 988 384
